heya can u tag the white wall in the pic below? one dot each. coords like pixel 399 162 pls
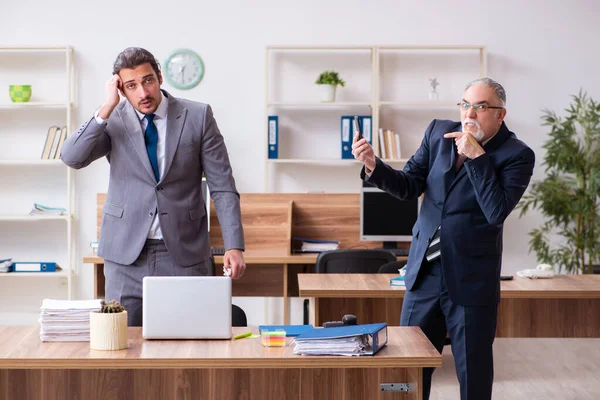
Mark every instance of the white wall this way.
pixel 541 51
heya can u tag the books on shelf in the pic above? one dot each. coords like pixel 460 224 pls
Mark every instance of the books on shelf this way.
pixel 39 209
pixel 349 340
pixel 54 141
pixel 315 246
pixel 389 145
pixel 66 320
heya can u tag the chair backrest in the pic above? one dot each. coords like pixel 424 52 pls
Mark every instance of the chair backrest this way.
pixel 238 316
pixel 350 261
pixel 392 267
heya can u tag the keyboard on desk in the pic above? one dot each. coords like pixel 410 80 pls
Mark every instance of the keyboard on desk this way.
pixel 217 251
pixel 398 252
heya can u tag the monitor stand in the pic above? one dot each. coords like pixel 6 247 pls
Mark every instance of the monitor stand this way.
pixel 390 245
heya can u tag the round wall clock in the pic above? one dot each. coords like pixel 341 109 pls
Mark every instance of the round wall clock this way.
pixel 183 69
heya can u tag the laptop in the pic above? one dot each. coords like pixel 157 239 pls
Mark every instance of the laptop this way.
pixel 186 307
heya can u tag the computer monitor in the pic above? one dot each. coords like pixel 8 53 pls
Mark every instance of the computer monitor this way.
pixel 386 218
pixel 206 197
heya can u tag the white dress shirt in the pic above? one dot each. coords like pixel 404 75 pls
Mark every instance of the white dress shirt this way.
pixel 160 120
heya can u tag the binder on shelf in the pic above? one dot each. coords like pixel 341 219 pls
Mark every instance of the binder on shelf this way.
pixel 273 136
pixel 23 266
pixel 360 340
pixel 290 330
pixel 347 132
pixel 347 136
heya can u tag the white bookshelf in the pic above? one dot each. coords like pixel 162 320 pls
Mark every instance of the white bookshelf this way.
pixel 390 83
pixel 28 179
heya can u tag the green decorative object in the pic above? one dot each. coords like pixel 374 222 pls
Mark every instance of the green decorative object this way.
pixel 568 198
pixel 111 307
pixel 328 81
pixel 183 69
pixel 330 78
pixel 19 93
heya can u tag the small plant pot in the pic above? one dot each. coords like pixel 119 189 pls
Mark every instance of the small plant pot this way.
pixel 108 331
pixel 327 93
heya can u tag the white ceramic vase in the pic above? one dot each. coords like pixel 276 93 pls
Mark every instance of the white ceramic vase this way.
pixel 108 331
pixel 327 93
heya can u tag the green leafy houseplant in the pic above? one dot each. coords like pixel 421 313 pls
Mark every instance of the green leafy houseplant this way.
pixel 330 78
pixel 568 196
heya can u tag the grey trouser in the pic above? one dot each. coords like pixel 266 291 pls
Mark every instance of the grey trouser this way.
pixel 124 282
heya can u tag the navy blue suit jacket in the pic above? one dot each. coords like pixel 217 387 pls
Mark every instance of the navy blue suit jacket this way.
pixel 471 206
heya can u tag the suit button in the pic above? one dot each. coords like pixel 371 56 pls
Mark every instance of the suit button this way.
pixel 151 214
pixel 444 215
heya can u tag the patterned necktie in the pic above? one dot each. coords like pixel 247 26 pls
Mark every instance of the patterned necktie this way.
pixel 151 139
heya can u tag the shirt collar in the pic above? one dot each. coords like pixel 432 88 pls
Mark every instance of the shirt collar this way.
pixel 161 111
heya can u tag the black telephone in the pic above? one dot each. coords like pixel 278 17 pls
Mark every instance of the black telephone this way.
pixel 348 319
pixel 357 127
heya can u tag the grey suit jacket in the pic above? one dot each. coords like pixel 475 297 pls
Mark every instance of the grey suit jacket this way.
pixel 193 145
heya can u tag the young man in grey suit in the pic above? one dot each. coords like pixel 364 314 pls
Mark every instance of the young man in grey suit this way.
pixel 158 147
pixel 472 174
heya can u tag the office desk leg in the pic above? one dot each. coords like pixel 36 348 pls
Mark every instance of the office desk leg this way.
pixel 286 299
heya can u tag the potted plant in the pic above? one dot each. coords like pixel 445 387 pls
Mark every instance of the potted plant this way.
pixel 108 327
pixel 568 196
pixel 328 81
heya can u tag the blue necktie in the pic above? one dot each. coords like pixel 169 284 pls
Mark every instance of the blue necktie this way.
pixel 151 139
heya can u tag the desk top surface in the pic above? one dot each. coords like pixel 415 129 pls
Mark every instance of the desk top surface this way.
pixel 20 347
pixel 378 286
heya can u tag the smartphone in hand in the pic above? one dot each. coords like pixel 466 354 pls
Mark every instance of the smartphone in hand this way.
pixel 357 127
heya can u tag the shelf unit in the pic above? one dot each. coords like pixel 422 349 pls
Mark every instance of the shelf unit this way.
pixel 23 131
pixel 386 71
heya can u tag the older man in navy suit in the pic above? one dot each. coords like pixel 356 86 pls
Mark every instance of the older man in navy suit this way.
pixel 472 174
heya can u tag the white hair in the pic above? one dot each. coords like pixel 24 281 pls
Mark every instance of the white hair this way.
pixel 492 84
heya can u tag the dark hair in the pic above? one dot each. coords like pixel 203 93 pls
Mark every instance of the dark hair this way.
pixel 133 57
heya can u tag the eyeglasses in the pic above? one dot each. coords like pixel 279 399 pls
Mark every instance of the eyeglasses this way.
pixel 479 108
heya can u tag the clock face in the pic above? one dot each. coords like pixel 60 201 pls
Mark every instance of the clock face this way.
pixel 184 69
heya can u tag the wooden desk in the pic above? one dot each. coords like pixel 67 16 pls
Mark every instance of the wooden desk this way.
pixel 204 369
pixel 565 306
pixel 270 222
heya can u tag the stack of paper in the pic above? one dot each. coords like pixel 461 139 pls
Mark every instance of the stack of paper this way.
pixel 347 340
pixel 39 209
pixel 66 320
pixel 316 246
pixel 6 265
pixel 347 346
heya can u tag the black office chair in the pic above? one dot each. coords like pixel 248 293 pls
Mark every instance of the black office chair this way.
pixel 352 261
pixel 238 316
pixel 391 267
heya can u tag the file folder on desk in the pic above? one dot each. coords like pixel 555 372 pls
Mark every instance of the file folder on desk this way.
pixel 21 266
pixel 338 341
